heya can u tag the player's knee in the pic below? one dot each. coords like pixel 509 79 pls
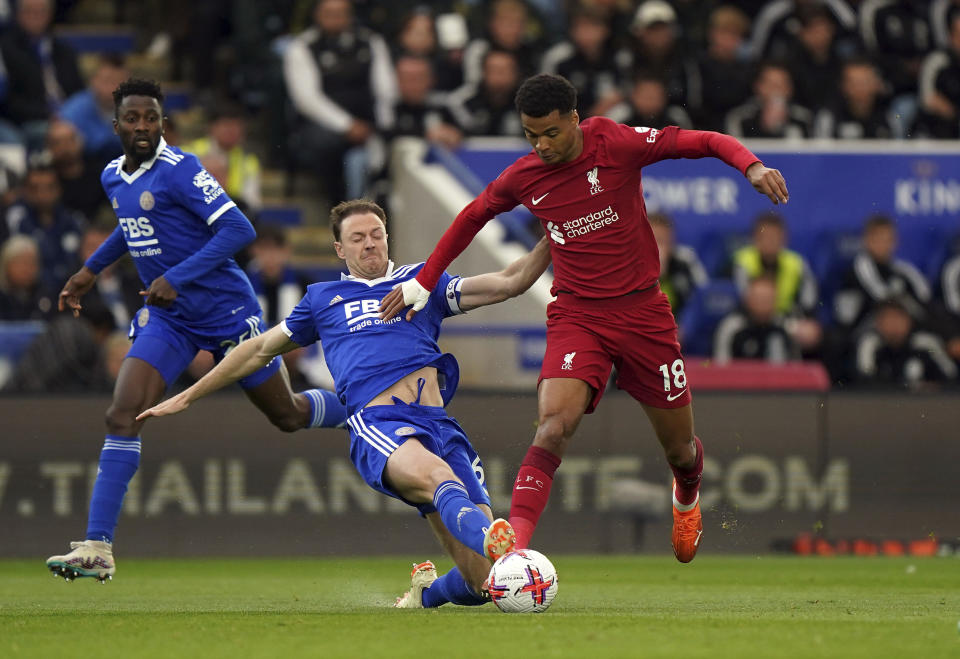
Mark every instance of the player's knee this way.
pixel 121 420
pixel 287 422
pixel 681 453
pixel 553 434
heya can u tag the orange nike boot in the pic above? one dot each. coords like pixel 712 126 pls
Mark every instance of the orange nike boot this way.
pixel 687 530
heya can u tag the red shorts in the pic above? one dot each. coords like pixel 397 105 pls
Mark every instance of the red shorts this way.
pixel 636 333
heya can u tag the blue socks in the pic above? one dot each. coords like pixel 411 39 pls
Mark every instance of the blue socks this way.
pixel 450 588
pixel 119 460
pixel 326 410
pixel 460 515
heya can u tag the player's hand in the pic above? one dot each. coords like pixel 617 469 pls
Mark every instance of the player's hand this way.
pixel 170 406
pixel 160 293
pixel 408 294
pixel 769 182
pixel 78 285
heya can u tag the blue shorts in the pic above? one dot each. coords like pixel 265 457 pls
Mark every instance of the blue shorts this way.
pixel 170 347
pixel 376 432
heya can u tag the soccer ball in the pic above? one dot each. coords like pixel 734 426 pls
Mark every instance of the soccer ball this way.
pixel 523 581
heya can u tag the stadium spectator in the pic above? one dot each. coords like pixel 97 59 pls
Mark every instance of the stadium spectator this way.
pixel 79 175
pixel 681 272
pixel 420 110
pixel 941 14
pixel 797 295
pixel 776 26
pixel 277 285
pixel 757 331
pixel 226 142
pixel 862 110
pixel 68 357
pixel 948 317
pixel 588 60
pixel 719 76
pixel 876 275
pixel 418 38
pixel 939 89
pixel 894 352
pixel 796 286
pixel 647 105
pixel 91 110
pixel 508 30
pixel 23 295
pixel 340 80
pixel 771 112
pixel 814 58
pixel 655 48
pixel 42 70
pixel 487 109
pixel 40 214
pixel 896 34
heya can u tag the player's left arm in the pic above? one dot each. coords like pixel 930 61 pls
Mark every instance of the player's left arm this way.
pixel 200 194
pixel 246 358
pixel 705 143
pixel 493 287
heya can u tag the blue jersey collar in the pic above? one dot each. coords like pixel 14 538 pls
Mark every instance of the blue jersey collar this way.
pixel 144 166
pixel 369 282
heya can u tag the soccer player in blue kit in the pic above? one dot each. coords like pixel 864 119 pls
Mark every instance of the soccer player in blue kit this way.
pixel 396 382
pixel 182 230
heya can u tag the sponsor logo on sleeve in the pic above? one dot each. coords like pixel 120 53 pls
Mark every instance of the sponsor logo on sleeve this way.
pixel 208 185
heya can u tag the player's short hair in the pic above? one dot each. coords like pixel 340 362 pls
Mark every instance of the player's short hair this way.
pixel 543 93
pixel 136 87
pixel 345 209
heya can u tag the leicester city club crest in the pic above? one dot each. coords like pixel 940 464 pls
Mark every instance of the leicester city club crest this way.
pixel 143 317
pixel 147 201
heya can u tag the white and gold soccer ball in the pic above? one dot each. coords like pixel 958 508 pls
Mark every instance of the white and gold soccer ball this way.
pixel 523 581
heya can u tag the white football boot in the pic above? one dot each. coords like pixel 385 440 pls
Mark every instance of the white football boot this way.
pixel 421 577
pixel 87 558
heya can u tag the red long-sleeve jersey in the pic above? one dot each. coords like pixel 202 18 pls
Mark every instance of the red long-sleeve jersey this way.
pixel 591 207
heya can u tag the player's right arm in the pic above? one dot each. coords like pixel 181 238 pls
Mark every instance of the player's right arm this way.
pixel 82 281
pixel 496 198
pixel 246 358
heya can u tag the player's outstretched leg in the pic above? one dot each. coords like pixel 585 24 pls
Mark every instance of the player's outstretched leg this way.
pixel 87 558
pixel 469 525
pixel 687 520
pixel 422 577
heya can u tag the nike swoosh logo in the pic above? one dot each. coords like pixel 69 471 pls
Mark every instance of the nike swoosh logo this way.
pixel 537 200
pixel 526 488
pixel 697 541
pixel 677 395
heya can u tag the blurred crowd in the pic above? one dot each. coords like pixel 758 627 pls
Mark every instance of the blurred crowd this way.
pixel 319 89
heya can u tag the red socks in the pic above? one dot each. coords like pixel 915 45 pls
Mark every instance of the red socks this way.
pixel 531 491
pixel 688 480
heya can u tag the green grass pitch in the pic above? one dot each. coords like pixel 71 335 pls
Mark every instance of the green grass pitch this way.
pixel 636 606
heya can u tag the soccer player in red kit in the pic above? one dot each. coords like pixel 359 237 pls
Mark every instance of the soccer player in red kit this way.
pixel 583 181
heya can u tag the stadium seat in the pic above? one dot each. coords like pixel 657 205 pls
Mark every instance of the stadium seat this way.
pixel 703 311
pixel 120 40
pixel 285 215
pixel 15 338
